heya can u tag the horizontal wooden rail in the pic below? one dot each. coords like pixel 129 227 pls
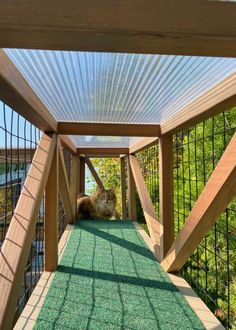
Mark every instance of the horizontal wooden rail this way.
pixel 95 152
pixel 64 188
pixel 146 202
pixel 131 26
pixel 108 129
pixel 215 197
pixel 16 155
pixel 220 98
pixel 16 246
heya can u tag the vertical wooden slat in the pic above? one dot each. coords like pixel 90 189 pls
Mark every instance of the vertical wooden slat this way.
pixel 123 188
pixel 16 246
pixel 51 216
pixel 131 194
pixel 81 181
pixel 73 184
pixel 166 194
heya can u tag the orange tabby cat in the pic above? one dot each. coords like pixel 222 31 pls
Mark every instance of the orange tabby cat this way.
pixel 100 205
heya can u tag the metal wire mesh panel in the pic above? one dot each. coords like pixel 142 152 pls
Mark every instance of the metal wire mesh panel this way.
pixel 62 221
pixel 18 141
pixel 212 267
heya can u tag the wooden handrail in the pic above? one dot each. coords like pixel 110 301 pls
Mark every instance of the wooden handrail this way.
pixel 17 243
pixel 146 202
pixel 215 197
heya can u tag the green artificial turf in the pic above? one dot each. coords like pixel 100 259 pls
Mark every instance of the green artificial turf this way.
pixel 109 279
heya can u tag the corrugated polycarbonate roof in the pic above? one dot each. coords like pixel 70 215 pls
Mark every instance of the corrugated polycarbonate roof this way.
pixel 117 88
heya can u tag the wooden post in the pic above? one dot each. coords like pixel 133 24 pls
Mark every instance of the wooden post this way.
pixel 51 216
pixel 166 194
pixel 73 184
pixel 123 188
pixel 131 194
pixel 81 181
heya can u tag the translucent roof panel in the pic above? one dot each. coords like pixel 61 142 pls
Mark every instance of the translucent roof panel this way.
pixel 118 88
pixel 103 141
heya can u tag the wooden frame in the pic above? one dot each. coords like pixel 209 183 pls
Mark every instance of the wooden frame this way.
pixel 64 188
pixel 17 93
pixel 108 129
pixel 102 152
pixel 74 184
pixel 138 27
pixel 15 155
pixel 142 144
pixel 68 144
pixel 51 216
pixel 123 187
pixel 218 99
pixel 17 243
pixel 147 206
pixel 215 197
pixel 166 194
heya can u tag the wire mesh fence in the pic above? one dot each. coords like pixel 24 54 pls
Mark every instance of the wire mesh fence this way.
pixel 212 268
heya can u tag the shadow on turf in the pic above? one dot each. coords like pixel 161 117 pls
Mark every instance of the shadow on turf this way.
pixel 143 251
pixel 118 278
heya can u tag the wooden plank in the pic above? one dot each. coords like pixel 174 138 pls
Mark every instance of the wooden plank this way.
pixel 218 99
pixel 166 194
pixel 132 207
pixel 51 216
pixel 147 206
pixel 142 144
pixel 102 152
pixel 16 246
pixel 108 129
pixel 68 144
pixel 215 197
pixel 123 187
pixel 74 184
pixel 17 93
pixel 131 26
pixel 81 181
pixel 64 187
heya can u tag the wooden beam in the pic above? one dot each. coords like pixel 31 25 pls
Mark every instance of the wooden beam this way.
pixel 108 129
pixel 146 202
pixel 215 197
pixel 17 93
pixel 123 187
pixel 218 99
pixel 74 184
pixel 142 144
pixel 64 187
pixel 51 216
pixel 130 26
pixel 68 144
pixel 148 209
pixel 94 173
pixel 166 194
pixel 16 246
pixel 97 152
pixel 132 207
pixel 81 181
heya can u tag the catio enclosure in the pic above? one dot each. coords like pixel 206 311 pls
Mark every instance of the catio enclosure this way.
pixel 140 96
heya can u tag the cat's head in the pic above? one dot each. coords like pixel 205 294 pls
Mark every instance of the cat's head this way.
pixel 105 196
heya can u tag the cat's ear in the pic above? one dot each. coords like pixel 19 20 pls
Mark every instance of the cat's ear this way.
pixel 113 189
